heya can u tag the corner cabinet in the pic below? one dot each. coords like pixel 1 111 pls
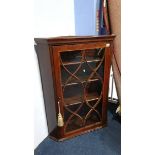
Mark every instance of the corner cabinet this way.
pixel 75 79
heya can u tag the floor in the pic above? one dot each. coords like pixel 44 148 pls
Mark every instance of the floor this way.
pixel 106 141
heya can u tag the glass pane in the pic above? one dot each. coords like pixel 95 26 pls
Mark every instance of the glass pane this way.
pixel 82 82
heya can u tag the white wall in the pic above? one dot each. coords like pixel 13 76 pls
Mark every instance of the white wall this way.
pixel 40 124
pixel 51 18
pixel 114 95
pixel 54 18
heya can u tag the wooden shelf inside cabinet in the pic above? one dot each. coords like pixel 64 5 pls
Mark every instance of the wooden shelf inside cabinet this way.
pixel 79 62
pixel 79 99
pixel 83 79
pixel 75 124
pixel 75 77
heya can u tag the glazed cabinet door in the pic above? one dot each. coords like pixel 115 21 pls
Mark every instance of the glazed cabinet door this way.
pixel 82 75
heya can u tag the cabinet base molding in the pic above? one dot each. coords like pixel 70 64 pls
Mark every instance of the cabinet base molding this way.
pixel 54 135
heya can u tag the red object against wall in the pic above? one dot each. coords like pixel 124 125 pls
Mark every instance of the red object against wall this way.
pixel 112 10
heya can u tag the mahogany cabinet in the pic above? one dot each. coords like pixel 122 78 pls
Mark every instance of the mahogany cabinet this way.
pixel 75 79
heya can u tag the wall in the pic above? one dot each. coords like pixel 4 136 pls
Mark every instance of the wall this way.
pixel 54 17
pixel 51 18
pixel 85 17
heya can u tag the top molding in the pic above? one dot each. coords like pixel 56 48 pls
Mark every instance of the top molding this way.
pixel 73 39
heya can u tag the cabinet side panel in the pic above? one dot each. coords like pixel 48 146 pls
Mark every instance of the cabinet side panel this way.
pixel 47 84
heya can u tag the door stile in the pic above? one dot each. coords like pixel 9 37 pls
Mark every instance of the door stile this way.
pixel 56 62
pixel 107 65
